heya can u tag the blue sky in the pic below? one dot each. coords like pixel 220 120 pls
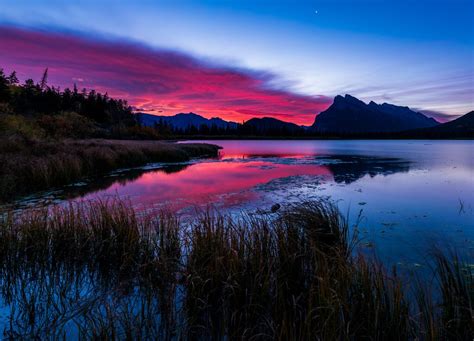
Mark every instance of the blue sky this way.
pixel 415 53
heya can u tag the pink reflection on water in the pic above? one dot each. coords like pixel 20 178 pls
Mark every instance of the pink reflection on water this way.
pixel 277 148
pixel 227 183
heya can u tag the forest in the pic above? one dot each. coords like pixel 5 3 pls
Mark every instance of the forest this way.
pixel 35 110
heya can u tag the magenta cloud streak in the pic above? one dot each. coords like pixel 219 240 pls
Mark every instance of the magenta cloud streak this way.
pixel 154 80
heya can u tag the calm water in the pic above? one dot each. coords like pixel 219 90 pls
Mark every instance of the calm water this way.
pixel 410 194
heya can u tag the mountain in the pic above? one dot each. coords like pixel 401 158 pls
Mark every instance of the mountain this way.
pixel 462 124
pixel 272 126
pixel 460 127
pixel 254 126
pixel 350 115
pixel 185 120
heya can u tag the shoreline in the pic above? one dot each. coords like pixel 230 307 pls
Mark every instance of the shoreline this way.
pixel 299 138
pixel 29 167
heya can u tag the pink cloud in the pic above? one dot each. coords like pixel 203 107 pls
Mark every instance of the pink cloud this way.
pixel 159 80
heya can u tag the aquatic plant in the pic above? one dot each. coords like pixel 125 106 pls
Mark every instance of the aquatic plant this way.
pixel 103 270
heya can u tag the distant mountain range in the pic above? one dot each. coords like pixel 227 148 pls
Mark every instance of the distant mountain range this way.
pixel 350 115
pixel 347 115
pixel 185 120
pixel 271 125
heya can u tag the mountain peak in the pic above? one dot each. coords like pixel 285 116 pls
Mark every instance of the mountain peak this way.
pixel 349 114
pixel 350 98
pixel 347 101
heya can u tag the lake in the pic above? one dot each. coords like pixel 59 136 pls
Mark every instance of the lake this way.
pixel 403 196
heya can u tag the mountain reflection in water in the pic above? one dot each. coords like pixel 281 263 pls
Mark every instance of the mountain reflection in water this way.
pixel 229 180
pixel 409 194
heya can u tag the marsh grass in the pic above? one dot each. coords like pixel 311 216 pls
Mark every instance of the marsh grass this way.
pixel 29 166
pixel 103 271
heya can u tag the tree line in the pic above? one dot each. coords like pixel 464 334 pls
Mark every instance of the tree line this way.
pixel 37 110
pixel 30 99
pixel 165 128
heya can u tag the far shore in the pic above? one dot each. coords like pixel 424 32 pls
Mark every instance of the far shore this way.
pixel 308 138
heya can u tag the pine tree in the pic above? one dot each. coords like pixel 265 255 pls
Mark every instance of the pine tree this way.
pixel 13 79
pixel 44 80
pixel 4 88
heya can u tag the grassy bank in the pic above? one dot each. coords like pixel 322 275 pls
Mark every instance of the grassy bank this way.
pixel 29 166
pixel 103 271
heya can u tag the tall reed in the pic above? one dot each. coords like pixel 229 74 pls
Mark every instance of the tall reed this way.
pixel 29 166
pixel 103 270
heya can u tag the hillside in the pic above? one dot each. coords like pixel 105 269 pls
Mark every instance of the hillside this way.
pixel 462 127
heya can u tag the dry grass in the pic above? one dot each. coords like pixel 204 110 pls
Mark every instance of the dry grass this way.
pixel 101 270
pixel 33 166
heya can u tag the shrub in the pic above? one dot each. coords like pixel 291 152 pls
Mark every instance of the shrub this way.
pixel 15 125
pixel 67 125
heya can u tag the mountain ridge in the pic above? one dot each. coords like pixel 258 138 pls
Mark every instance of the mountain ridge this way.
pixel 185 121
pixel 348 114
pixel 463 126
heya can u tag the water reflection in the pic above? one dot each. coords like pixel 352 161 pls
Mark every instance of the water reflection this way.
pixel 83 189
pixel 409 191
pixel 122 178
pixel 230 181
pixel 352 168
pixel 412 194
pixel 226 182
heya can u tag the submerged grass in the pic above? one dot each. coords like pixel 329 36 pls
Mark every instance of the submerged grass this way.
pixel 104 271
pixel 26 167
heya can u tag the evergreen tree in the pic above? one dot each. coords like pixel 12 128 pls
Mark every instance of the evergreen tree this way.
pixel 13 79
pixel 42 103
pixel 44 79
pixel 4 88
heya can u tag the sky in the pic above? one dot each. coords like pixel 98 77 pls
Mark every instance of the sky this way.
pixel 243 59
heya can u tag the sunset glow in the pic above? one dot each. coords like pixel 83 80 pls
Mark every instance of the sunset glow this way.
pixel 204 183
pixel 225 169
pixel 239 60
pixel 161 82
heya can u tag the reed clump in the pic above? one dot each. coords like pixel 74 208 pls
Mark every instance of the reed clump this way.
pixel 29 166
pixel 103 270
